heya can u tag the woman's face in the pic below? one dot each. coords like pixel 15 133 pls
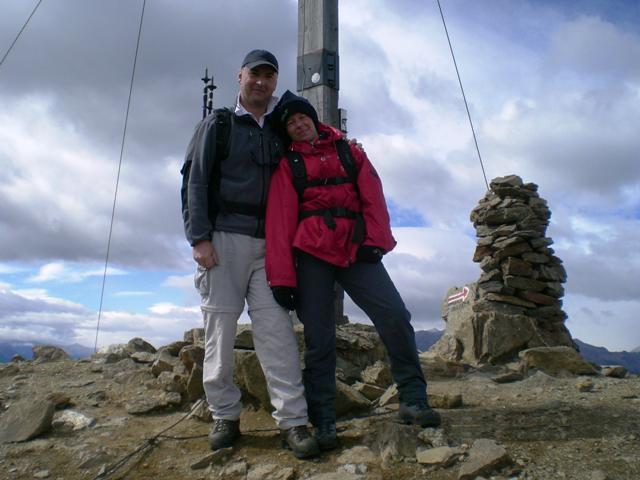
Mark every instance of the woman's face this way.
pixel 300 128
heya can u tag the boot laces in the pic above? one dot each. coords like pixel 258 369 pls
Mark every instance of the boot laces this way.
pixel 222 425
pixel 300 433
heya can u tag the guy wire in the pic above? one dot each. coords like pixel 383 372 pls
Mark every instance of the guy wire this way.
pixel 464 97
pixel 19 33
pixel 115 196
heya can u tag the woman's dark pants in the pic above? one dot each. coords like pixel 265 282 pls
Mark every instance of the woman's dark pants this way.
pixel 370 287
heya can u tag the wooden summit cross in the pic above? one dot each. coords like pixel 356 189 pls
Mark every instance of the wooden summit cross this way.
pixel 318 74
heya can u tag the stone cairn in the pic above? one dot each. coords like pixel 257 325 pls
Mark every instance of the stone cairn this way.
pixel 517 301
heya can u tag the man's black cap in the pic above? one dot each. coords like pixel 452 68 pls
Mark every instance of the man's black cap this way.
pixel 260 57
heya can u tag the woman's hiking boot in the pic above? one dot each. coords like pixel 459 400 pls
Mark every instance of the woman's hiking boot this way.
pixel 326 436
pixel 300 442
pixel 418 413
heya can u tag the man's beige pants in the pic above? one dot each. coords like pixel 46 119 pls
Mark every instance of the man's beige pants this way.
pixel 240 276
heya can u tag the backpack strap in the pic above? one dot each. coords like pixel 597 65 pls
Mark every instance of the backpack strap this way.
pixel 223 124
pixel 222 121
pixel 346 158
pixel 299 170
pixel 300 182
pixel 223 132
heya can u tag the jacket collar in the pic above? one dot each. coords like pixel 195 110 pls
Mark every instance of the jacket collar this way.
pixel 326 135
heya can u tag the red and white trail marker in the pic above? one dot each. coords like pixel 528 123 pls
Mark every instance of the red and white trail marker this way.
pixel 461 296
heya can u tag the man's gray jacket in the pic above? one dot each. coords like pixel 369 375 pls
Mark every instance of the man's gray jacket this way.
pixel 244 178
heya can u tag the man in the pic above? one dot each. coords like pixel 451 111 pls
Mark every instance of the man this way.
pixel 224 222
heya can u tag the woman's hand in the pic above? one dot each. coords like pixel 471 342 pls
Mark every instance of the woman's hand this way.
pixel 287 297
pixel 369 254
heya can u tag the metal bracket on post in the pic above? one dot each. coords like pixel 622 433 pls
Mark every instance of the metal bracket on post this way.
pixel 342 120
pixel 318 68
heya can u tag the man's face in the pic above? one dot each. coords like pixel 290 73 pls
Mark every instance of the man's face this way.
pixel 257 85
pixel 301 128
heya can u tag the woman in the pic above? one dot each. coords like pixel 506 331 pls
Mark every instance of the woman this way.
pixel 327 221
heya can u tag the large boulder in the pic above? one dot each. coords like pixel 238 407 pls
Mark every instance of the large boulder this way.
pixel 48 353
pixel 111 353
pixel 192 355
pixel 249 378
pixel 195 335
pixel 349 400
pixel 485 456
pixel 358 346
pixel 26 419
pixel 555 360
pixel 138 344
pixel 244 337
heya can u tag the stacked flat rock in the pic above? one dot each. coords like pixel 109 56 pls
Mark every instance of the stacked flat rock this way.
pixel 521 275
pixel 517 301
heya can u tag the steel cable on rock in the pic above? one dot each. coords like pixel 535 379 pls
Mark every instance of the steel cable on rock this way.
pixel 153 441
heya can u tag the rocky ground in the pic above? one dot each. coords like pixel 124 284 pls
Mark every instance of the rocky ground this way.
pixel 536 426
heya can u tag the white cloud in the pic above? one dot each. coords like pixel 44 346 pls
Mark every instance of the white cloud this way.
pixel 554 95
pixel 604 322
pixel 592 46
pixel 169 308
pixel 132 294
pixel 423 266
pixel 162 325
pixel 61 272
pixel 41 295
pixel 35 316
pixel 6 269
pixel 179 281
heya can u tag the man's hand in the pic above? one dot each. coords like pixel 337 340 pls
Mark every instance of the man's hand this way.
pixel 354 143
pixel 205 255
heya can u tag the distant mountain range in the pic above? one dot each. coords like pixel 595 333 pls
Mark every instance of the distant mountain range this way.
pixel 602 356
pixel 9 349
pixel 597 355
pixel 424 340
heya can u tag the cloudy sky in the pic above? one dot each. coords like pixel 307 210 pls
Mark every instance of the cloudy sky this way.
pixel 554 92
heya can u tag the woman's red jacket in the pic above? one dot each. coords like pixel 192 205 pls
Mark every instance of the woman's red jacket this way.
pixel 285 232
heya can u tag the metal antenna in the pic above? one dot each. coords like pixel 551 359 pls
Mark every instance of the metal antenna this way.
pixel 207 93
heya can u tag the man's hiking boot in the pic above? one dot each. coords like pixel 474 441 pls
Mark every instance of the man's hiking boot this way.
pixel 300 442
pixel 223 433
pixel 418 413
pixel 326 436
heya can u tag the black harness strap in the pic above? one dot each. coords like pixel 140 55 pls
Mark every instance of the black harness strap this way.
pixel 258 211
pixel 329 214
pixel 300 182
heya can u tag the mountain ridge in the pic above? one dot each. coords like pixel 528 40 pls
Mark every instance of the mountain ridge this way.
pixel 598 355
pixel 424 340
pixel 8 349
